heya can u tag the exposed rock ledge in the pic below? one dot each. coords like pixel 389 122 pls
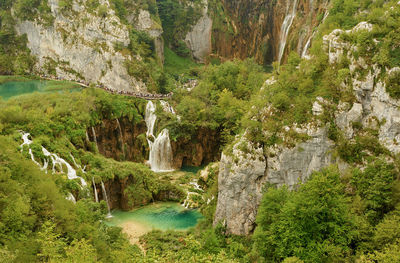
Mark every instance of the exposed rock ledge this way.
pixel 81 46
pixel 241 181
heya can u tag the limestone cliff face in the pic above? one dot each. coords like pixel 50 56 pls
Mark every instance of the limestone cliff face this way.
pixel 256 28
pixel 144 22
pixel 199 38
pixel 81 45
pixel 242 176
pixel 373 108
pixel 243 173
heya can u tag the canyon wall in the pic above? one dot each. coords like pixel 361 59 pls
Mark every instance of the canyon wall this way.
pixel 84 44
pixel 122 139
pixel 244 173
pixel 257 28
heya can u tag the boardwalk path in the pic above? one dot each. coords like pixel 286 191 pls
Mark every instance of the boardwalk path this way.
pixel 142 95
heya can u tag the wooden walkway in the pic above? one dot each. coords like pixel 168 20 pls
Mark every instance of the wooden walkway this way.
pixel 141 95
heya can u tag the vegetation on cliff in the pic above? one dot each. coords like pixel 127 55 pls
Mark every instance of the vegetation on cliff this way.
pixel 351 214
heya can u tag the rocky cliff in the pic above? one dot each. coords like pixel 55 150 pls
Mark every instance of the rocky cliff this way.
pixel 263 29
pixel 88 44
pixel 246 169
pixel 122 139
pixel 244 172
pixel 199 38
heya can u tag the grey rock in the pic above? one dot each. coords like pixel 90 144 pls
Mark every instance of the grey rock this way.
pixel 198 39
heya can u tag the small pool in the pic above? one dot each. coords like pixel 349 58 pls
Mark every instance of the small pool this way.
pixel 161 216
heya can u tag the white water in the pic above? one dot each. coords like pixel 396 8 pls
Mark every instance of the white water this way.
pixel 306 47
pixel 71 198
pixel 56 160
pixel 94 137
pixel 96 197
pixel 160 157
pixel 106 199
pixel 196 185
pixel 304 54
pixel 287 23
pixel 186 203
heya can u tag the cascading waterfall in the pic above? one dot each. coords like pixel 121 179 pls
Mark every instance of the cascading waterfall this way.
pixel 56 160
pixel 94 137
pixel 304 54
pixel 106 199
pixel 121 137
pixel 160 157
pixel 187 202
pixel 71 198
pixel 287 23
pixel 306 47
pixel 96 197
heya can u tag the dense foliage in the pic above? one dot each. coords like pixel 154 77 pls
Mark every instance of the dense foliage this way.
pixel 351 214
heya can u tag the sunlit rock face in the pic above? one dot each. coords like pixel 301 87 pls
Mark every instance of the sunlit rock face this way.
pixel 81 46
pixel 244 173
pixel 242 176
pixel 199 38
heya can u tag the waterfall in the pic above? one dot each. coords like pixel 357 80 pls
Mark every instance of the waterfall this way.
pixel 26 140
pixel 308 43
pixel 161 153
pixel 186 203
pixel 56 160
pixel 96 197
pixel 94 137
pixel 307 46
pixel 287 23
pixel 106 199
pixel 71 198
pixel 167 107
pixel 160 157
pixel 121 137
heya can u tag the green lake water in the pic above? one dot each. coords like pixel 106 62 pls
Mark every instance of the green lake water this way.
pixel 161 216
pixel 17 88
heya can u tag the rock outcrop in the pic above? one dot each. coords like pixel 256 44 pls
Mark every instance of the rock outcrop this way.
pixel 199 38
pixel 80 45
pixel 245 170
pixel 202 149
pixel 120 139
pixel 243 174
pixel 245 28
pixel 143 22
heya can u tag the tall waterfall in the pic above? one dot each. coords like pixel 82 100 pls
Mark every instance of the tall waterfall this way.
pixel 106 199
pixel 96 196
pixel 160 157
pixel 287 23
